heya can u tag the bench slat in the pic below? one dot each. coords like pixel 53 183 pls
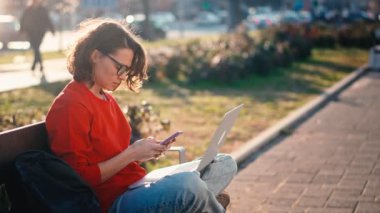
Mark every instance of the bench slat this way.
pixel 16 141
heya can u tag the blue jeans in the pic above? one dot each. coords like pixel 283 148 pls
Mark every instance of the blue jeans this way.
pixel 182 192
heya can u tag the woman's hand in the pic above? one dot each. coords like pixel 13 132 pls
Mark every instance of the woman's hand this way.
pixel 141 150
pixel 167 147
pixel 146 149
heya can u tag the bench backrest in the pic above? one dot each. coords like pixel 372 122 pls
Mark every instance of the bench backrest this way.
pixel 16 141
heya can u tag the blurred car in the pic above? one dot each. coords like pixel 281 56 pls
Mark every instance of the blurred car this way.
pixel 136 22
pixel 259 10
pixel 207 18
pixel 163 19
pixel 263 20
pixel 10 37
pixel 261 17
pixel 289 17
pixel 305 17
pixel 223 14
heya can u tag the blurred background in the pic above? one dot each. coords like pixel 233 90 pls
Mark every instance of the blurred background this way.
pixel 159 19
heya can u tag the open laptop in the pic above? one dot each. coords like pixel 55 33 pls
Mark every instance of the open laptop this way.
pixel 197 165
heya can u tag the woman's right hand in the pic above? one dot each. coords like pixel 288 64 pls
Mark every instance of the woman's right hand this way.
pixel 146 149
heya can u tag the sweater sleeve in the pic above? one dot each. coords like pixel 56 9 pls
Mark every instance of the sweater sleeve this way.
pixel 68 129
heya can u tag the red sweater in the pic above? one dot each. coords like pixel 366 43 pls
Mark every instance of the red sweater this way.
pixel 84 131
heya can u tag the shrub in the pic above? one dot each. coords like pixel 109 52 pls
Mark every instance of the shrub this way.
pixel 323 35
pixel 356 35
pixel 144 121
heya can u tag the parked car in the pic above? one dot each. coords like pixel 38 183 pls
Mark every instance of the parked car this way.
pixel 263 20
pixel 207 18
pixel 10 36
pixel 305 17
pixel 136 22
pixel 289 17
pixel 164 20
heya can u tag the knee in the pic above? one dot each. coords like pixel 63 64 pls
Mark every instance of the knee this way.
pixel 191 182
pixel 231 163
pixel 191 186
pixel 193 194
pixel 226 164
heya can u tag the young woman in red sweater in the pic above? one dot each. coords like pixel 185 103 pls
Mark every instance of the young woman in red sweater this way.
pixel 88 130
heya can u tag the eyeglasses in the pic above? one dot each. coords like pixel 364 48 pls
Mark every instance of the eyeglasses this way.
pixel 121 68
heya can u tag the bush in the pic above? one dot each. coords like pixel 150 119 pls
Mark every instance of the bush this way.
pixel 323 35
pixel 227 70
pixel 144 121
pixel 234 56
pixel 356 35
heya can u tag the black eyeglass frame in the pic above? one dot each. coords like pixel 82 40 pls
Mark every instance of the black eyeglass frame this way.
pixel 121 68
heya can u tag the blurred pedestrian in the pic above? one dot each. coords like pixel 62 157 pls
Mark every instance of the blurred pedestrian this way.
pixel 35 21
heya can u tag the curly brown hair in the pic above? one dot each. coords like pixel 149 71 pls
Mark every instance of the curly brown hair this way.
pixel 107 36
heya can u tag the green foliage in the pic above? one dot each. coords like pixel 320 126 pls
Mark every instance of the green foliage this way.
pixel 236 56
pixel 232 57
pixel 356 35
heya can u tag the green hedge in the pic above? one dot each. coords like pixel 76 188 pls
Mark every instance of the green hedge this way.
pixel 231 57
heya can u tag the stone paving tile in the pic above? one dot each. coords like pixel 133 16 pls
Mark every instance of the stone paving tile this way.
pixel 306 201
pixel 329 210
pixel 330 163
pixel 365 207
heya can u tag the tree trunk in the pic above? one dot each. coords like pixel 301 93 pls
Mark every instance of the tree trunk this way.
pixel 147 26
pixel 235 14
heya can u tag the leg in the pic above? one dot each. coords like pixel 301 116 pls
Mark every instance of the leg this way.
pixel 219 173
pixel 38 53
pixel 182 192
pixel 33 45
pixel 35 42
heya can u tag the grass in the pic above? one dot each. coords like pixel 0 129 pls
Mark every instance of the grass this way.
pixel 197 109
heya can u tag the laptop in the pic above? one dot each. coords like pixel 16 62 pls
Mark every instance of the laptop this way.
pixel 196 165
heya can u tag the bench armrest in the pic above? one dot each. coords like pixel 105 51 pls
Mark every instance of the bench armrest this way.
pixel 181 153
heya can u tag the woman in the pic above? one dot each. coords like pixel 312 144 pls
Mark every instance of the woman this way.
pixel 88 130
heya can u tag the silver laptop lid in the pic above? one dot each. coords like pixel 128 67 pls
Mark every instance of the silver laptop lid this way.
pixel 219 136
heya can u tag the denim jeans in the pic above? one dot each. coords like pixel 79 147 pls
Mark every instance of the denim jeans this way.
pixel 182 192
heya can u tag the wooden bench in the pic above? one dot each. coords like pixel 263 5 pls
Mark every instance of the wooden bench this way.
pixel 34 136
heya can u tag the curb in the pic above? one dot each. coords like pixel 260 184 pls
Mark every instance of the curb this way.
pixel 296 116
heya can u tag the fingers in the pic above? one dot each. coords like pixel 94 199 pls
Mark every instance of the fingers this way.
pixel 159 155
pixel 151 148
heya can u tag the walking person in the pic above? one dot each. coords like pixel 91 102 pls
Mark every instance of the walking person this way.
pixel 35 22
pixel 88 130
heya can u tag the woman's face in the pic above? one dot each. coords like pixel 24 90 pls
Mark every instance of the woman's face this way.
pixel 105 68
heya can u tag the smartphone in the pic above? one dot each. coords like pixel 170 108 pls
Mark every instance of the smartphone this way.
pixel 170 138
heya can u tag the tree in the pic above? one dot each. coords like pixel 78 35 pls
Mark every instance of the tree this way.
pixel 235 14
pixel 63 6
pixel 147 24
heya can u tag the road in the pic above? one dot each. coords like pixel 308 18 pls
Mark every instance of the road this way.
pixel 62 40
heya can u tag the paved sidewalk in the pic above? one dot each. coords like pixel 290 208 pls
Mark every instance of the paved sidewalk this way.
pixel 19 75
pixel 331 163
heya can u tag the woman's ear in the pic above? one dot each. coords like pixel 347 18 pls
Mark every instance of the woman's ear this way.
pixel 95 55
